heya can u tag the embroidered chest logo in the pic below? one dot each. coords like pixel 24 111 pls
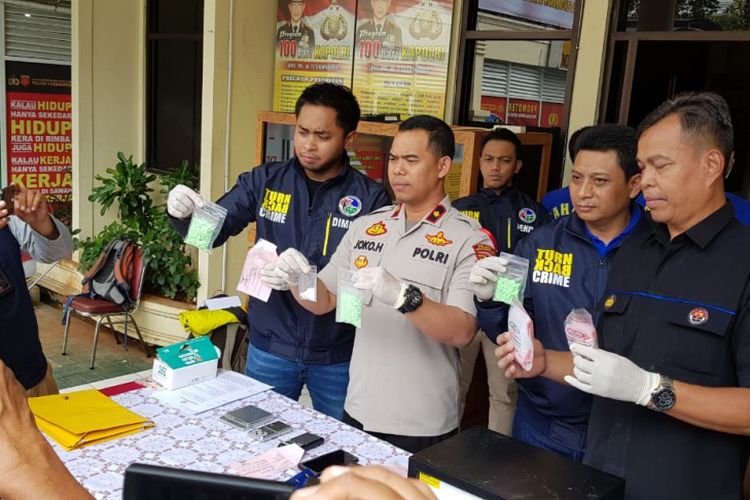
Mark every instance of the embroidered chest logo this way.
pixel 438 239
pixel 361 262
pixel 527 215
pixel 350 206
pixel 698 316
pixel 275 206
pixel 552 267
pixel 377 229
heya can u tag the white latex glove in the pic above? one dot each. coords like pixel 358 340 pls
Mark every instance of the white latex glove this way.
pixel 483 277
pixel 290 265
pixel 182 201
pixel 606 374
pixel 383 285
pixel 270 277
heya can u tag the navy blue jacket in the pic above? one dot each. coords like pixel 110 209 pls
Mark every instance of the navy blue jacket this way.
pixel 275 195
pixel 509 216
pixel 567 270
pixel 20 347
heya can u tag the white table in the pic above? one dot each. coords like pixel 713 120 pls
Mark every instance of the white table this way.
pixel 203 442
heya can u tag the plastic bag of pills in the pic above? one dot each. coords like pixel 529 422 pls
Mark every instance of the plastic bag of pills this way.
pixel 205 226
pixel 349 300
pixel 512 283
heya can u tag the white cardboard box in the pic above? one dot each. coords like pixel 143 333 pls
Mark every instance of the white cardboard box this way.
pixel 185 363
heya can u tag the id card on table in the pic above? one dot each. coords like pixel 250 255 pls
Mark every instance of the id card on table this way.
pixel 521 329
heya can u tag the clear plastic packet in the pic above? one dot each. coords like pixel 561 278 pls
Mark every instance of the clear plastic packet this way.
pixel 349 300
pixel 258 257
pixel 580 329
pixel 512 283
pixel 205 225
pixel 521 329
pixel 308 285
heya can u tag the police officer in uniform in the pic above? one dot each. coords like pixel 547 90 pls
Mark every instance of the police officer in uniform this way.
pixel 413 262
pixel 307 203
pixel 671 379
pixel 509 214
pixel 296 29
pixel 569 262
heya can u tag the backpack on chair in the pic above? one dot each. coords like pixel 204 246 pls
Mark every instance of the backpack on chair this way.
pixel 109 278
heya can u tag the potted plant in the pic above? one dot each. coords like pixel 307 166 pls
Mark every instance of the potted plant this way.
pixel 170 272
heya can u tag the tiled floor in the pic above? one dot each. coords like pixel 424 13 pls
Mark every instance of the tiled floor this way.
pixel 73 369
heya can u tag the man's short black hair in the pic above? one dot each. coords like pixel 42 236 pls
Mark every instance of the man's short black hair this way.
pixel 503 134
pixel 572 142
pixel 702 114
pixel 610 137
pixel 441 140
pixel 337 97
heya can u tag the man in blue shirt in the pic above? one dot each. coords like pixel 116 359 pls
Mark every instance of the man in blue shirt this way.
pixel 569 265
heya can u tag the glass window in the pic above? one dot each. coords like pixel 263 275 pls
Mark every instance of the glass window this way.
pixel 519 82
pixel 173 83
pixel 684 15
pixel 525 15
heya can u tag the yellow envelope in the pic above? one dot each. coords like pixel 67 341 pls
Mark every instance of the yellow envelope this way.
pixel 82 418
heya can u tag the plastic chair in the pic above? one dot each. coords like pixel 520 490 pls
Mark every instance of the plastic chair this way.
pixel 103 309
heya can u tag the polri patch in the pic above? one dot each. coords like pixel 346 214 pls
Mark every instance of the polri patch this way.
pixel 482 250
pixel 698 316
pixel 377 229
pixel 361 262
pixel 438 239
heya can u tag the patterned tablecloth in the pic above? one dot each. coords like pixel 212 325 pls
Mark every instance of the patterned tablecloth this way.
pixel 203 442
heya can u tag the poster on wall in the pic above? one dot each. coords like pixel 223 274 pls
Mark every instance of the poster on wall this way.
pixel 401 56
pixel 39 126
pixel 314 40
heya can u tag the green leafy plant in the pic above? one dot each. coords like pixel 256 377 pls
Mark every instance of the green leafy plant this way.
pixel 170 272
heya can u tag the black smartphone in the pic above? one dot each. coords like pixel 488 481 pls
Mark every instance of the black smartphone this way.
pixel 8 193
pixel 338 457
pixel 306 441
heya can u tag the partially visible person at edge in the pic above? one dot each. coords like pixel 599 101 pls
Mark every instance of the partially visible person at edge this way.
pixel 671 376
pixel 307 203
pixel 509 214
pixel 569 264
pixel 31 228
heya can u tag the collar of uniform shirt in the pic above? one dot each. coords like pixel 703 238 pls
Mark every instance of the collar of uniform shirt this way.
pixel 702 233
pixel 604 249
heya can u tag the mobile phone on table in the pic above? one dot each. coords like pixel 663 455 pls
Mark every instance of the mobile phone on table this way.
pixel 338 457
pixel 269 431
pixel 248 417
pixel 306 441
pixel 8 193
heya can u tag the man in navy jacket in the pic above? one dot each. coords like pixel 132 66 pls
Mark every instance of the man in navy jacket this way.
pixel 568 267
pixel 509 214
pixel 307 203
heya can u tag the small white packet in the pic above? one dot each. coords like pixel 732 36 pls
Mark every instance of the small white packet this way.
pixel 308 285
pixel 521 329
pixel 580 329
pixel 349 300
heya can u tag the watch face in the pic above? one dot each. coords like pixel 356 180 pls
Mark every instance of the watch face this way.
pixel 663 399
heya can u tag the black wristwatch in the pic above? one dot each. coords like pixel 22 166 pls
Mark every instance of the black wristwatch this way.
pixel 664 397
pixel 412 300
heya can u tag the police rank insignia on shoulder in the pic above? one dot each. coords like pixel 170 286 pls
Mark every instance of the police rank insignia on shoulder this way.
pixel 377 229
pixel 436 214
